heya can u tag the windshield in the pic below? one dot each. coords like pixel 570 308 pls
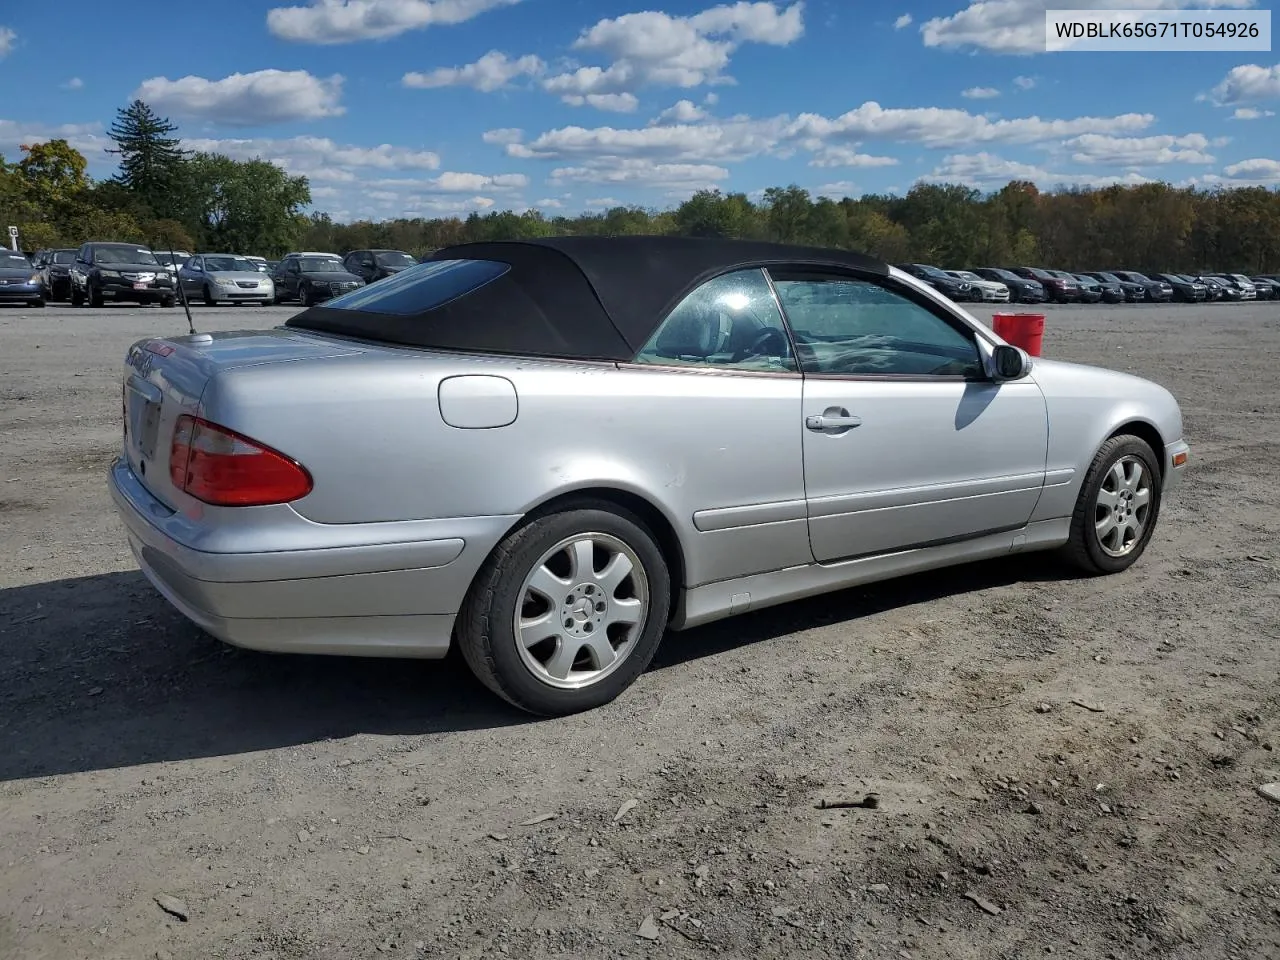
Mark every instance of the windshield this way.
pixel 218 264
pixel 1138 277
pixel 395 258
pixel 13 261
pixel 125 254
pixel 933 272
pixel 319 265
pixel 965 275
pixel 63 256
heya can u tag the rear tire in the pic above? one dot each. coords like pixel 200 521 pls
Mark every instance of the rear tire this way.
pixel 167 302
pixel 1117 509
pixel 600 627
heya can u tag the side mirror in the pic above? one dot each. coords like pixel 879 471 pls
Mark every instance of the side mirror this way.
pixel 1010 363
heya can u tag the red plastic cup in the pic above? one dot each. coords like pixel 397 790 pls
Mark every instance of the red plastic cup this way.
pixel 1025 330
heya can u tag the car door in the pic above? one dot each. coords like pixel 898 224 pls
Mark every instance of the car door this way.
pixel 191 275
pixel 907 442
pixel 290 274
pixel 715 404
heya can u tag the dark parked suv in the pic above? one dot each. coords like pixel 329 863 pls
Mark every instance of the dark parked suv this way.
pixel 372 265
pixel 1157 291
pixel 119 271
pixel 1021 289
pixel 947 285
pixel 1058 289
pixel 55 272
pixel 312 278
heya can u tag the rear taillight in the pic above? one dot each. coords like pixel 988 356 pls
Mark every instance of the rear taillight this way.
pixel 225 469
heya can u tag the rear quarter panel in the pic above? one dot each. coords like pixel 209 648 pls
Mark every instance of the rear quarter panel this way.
pixel 369 429
pixel 1086 406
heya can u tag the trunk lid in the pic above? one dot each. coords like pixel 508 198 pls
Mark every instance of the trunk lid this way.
pixel 165 378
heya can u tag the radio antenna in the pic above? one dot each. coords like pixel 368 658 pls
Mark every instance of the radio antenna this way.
pixel 182 294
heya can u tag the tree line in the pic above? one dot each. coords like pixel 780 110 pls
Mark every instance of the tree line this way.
pixel 163 195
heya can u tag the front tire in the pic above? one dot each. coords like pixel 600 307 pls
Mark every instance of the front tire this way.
pixel 38 303
pixel 96 299
pixel 1117 509
pixel 568 611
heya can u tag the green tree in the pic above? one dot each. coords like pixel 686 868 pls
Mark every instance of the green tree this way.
pixel 150 157
pixel 54 172
pixel 249 206
pixel 709 213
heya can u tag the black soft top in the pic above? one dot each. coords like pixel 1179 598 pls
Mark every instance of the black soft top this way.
pixel 572 297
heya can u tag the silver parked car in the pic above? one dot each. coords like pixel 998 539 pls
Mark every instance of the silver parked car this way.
pixel 552 452
pixel 225 278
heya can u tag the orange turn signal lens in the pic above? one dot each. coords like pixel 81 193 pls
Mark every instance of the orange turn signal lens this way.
pixel 1179 459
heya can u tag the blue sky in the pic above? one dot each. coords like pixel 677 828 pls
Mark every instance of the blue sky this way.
pixel 440 107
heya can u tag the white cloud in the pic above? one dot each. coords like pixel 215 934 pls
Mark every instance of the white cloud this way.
pixel 1138 151
pixel 1248 83
pixel 449 182
pixel 603 202
pixel 75 83
pixel 985 170
pixel 632 171
pixel 838 190
pixel 1256 170
pixel 7 39
pixel 89 138
pixel 549 203
pixel 838 156
pixel 503 135
pixel 1251 113
pixel 682 111
pixel 740 137
pixel 1017 26
pixel 246 99
pixel 980 93
pixel 347 21
pixel 319 158
pixel 612 102
pixel 1025 83
pixel 942 127
pixel 902 21
pixel 651 48
pixel 491 72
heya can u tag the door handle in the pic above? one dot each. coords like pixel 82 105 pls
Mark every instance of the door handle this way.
pixel 831 422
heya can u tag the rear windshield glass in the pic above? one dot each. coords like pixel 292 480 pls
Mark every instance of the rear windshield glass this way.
pixel 421 288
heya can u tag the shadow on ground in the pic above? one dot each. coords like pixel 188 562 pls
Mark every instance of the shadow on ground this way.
pixel 99 672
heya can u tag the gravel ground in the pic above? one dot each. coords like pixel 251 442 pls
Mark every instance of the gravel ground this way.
pixel 1065 766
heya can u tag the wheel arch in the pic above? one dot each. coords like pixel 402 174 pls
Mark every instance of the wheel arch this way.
pixel 654 517
pixel 1144 430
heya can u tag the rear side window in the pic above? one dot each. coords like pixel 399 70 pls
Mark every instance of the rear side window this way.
pixel 421 288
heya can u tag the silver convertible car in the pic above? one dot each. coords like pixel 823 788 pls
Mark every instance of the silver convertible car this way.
pixel 551 453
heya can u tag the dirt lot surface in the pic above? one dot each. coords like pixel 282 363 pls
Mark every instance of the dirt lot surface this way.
pixel 1064 766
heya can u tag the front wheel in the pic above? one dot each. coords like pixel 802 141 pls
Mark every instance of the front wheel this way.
pixel 568 611
pixel 1117 509
pixel 38 303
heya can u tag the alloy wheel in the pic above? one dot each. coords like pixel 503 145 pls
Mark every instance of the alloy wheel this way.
pixel 581 610
pixel 1122 507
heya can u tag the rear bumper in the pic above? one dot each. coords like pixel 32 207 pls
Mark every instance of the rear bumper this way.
pixel 383 597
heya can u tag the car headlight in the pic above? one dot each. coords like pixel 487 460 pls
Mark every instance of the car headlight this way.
pixel 224 282
pixel 110 274
pixel 34 278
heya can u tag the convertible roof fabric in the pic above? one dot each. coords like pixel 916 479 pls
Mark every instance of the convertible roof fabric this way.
pixel 589 298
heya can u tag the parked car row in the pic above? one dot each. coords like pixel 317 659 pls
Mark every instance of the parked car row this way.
pixel 1042 285
pixel 96 273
